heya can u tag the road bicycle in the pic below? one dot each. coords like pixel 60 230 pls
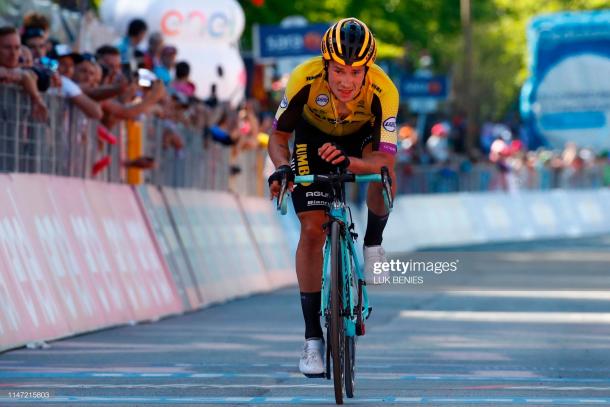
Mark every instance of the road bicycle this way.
pixel 345 302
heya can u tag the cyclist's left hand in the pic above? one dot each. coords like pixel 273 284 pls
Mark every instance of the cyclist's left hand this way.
pixel 332 153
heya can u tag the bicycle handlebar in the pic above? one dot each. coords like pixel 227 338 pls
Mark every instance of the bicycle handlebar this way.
pixel 383 177
pixel 328 178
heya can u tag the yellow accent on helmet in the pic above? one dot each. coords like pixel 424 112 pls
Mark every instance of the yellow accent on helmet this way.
pixel 349 42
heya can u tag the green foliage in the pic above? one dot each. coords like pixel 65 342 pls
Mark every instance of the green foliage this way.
pixel 499 36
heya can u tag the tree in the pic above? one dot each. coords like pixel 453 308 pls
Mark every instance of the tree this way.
pixel 499 37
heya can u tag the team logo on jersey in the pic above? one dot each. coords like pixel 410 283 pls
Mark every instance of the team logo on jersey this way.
pixel 284 102
pixel 390 124
pixel 322 100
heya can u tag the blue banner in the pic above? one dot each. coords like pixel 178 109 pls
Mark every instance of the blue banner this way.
pixel 567 97
pixel 274 41
pixel 435 87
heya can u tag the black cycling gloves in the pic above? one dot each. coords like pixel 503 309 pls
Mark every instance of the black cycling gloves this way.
pixel 281 172
pixel 343 164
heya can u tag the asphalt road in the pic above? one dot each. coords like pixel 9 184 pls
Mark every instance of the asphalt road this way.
pixel 518 324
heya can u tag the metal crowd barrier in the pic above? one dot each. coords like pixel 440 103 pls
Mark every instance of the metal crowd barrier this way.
pixel 487 177
pixel 67 144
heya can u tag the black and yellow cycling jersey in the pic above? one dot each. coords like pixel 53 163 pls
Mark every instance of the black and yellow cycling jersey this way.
pixel 308 96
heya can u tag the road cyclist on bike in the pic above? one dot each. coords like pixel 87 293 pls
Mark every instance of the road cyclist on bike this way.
pixel 342 109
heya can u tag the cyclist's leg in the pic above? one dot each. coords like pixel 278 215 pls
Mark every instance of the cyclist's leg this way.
pixel 376 221
pixel 309 250
pixel 374 199
pixel 309 273
pixel 310 203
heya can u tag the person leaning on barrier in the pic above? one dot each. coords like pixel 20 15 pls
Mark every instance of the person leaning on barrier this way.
pixel 10 72
pixel 127 108
pixel 71 90
pixel 88 74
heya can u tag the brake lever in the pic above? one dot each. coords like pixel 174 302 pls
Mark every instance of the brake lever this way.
pixel 282 203
pixel 386 181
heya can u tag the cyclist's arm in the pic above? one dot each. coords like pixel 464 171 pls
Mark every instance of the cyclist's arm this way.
pixel 286 118
pixel 381 152
pixel 371 162
pixel 279 152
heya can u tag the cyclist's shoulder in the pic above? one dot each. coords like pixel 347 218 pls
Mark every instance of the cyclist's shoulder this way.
pixel 380 83
pixel 308 71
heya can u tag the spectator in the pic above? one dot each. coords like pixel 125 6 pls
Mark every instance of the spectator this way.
pixel 85 73
pixel 168 60
pixel 26 58
pixel 125 108
pixel 35 40
pixel 152 56
pixel 136 31
pixel 66 58
pixel 10 72
pixel 88 74
pixel 437 143
pixel 71 91
pixel 109 58
pixel 182 83
pixel 36 20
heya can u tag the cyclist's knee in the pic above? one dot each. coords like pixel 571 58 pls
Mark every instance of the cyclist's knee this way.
pixel 311 229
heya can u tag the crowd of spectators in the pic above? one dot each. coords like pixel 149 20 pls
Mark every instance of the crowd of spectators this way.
pixel 137 76
pixel 500 161
pixel 140 75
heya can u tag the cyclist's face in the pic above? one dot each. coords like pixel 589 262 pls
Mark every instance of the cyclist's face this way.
pixel 345 81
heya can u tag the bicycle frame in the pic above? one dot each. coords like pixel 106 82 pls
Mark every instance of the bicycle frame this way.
pixel 351 269
pixel 344 301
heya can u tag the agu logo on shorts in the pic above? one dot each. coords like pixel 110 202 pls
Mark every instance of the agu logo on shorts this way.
pixel 284 102
pixel 322 100
pixel 390 124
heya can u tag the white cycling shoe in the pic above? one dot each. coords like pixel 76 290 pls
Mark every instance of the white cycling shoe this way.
pixel 374 257
pixel 312 359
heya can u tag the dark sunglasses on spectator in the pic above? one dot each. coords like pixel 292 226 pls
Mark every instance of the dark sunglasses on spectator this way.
pixel 33 33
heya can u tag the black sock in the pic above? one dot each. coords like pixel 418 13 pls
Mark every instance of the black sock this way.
pixel 374 229
pixel 310 303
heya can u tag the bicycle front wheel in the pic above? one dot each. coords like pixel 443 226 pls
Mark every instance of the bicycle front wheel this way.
pixel 337 329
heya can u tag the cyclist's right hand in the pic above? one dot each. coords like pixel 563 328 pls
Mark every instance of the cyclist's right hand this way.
pixel 275 180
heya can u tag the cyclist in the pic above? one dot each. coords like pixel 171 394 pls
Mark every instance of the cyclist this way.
pixel 342 108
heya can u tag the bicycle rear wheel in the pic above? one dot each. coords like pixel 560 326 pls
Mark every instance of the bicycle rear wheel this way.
pixel 337 329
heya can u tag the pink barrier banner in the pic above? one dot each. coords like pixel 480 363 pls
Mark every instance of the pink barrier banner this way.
pixel 31 306
pixel 150 292
pixel 75 256
pixel 208 293
pixel 270 239
pixel 57 252
pixel 233 264
pixel 170 247
pixel 85 233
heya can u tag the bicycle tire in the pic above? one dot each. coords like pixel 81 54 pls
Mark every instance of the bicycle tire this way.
pixel 337 331
pixel 349 362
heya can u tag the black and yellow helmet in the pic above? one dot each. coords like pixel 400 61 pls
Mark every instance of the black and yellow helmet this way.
pixel 349 42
